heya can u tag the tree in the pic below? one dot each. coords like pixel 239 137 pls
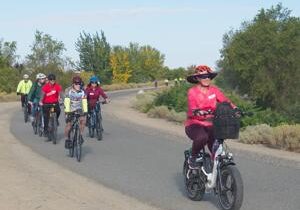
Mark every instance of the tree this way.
pixel 45 52
pixel 94 54
pixel 7 53
pixel 261 59
pixel 120 65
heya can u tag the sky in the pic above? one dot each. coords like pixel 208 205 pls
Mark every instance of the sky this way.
pixel 187 32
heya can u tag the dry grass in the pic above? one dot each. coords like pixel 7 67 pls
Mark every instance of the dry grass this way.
pixel 4 97
pixel 286 137
pixel 144 102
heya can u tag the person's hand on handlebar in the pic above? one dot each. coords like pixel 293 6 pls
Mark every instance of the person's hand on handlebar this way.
pixel 198 112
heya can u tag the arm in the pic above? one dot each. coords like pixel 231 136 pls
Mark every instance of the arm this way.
pixel 19 86
pixel 222 98
pixel 32 93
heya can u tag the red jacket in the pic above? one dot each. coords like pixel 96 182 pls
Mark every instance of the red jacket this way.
pixel 203 101
pixel 93 95
pixel 51 93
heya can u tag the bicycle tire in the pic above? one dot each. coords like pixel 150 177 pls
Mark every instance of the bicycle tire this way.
pixel 26 113
pixel 99 128
pixel 71 136
pixel 78 146
pixel 54 129
pixel 230 198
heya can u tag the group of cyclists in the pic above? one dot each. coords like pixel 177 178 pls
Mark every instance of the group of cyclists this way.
pixel 45 92
pixel 202 96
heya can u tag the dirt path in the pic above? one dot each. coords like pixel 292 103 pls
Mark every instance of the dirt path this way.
pixel 29 181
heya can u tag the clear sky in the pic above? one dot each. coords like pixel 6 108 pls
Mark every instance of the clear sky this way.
pixel 186 32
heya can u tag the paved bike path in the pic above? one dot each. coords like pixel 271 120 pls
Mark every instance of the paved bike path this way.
pixel 146 163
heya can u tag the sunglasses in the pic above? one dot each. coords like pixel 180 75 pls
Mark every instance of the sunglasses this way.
pixel 204 76
pixel 77 83
pixel 93 82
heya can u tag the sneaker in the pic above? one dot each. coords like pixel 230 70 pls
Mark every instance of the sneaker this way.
pixel 193 164
pixel 68 144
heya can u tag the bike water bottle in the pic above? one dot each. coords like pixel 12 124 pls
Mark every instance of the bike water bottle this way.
pixel 84 105
pixel 67 104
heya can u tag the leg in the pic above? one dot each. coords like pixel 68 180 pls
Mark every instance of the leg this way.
pixel 68 142
pixel 82 123
pixel 199 136
pixel 46 117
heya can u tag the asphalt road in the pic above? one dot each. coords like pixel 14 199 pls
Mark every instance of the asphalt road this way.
pixel 147 164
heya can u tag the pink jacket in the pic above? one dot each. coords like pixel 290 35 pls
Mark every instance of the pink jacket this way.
pixel 203 101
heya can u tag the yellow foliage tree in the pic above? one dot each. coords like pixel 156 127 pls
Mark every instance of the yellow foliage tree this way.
pixel 120 65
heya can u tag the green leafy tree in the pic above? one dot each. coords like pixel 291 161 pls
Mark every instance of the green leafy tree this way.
pixel 7 53
pixel 94 54
pixel 261 59
pixel 45 51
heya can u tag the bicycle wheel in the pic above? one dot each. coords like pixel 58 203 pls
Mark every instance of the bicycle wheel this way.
pixel 54 129
pixel 35 124
pixel 26 113
pixel 99 128
pixel 41 125
pixel 230 188
pixel 72 137
pixel 78 146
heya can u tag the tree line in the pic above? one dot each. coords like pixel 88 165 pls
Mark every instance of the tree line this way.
pixel 113 64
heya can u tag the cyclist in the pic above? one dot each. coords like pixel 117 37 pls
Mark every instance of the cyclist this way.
pixel 76 95
pixel 24 88
pixel 201 98
pixel 34 94
pixel 50 94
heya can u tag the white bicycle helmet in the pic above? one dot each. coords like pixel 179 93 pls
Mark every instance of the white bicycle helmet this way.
pixel 25 76
pixel 40 76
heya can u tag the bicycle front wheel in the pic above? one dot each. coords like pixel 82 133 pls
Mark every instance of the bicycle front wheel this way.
pixel 99 128
pixel 78 146
pixel 230 188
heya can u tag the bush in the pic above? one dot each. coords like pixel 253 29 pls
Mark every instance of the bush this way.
pixel 285 137
pixel 158 112
pixel 174 98
pixel 144 102
pixel 257 134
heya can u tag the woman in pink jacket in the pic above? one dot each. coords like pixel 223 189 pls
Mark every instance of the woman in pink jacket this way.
pixel 202 100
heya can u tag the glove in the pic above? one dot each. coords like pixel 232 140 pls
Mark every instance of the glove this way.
pixel 237 112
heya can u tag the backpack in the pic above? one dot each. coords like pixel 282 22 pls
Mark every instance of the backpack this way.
pixel 226 124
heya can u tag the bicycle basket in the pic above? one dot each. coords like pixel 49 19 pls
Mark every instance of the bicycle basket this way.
pixel 226 124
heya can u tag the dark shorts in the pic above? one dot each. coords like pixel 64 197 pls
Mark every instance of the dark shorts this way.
pixel 70 116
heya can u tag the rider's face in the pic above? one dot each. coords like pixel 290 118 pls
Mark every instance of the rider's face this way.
pixel 205 82
pixel 76 86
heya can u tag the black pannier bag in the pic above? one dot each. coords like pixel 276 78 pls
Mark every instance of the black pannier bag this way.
pixel 226 124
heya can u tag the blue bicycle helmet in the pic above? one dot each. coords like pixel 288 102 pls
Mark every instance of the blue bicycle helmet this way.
pixel 94 79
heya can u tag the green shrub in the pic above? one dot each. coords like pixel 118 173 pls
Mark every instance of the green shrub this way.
pixel 174 98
